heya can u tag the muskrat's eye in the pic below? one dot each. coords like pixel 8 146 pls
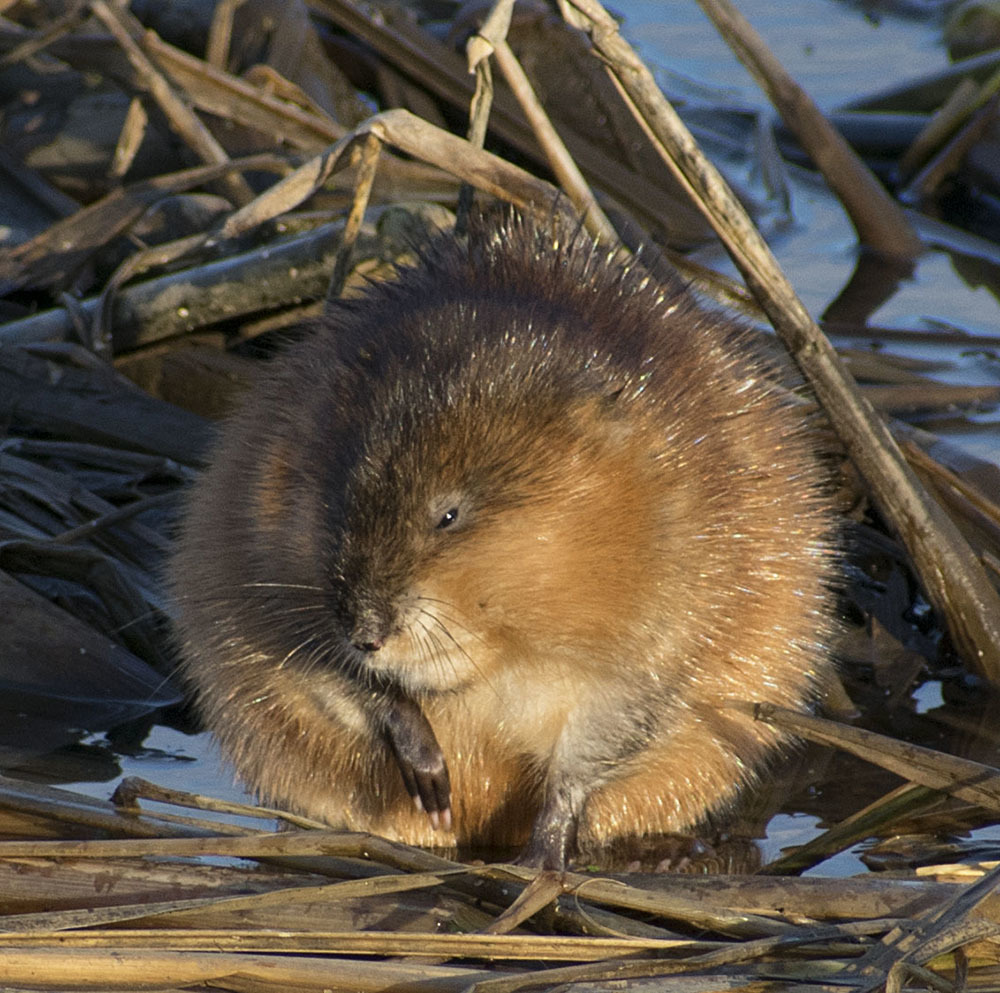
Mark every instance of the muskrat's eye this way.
pixel 447 519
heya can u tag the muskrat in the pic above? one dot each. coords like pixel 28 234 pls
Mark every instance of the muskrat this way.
pixel 524 526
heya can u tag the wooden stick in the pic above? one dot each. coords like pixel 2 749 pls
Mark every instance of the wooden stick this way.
pixel 879 221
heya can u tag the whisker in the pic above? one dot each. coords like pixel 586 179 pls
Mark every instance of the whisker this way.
pixel 425 654
pixel 440 625
pixel 283 586
pixel 305 608
pixel 439 656
pixel 453 619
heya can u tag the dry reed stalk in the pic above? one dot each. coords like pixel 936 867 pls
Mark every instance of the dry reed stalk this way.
pixel 878 219
pixel 970 781
pixel 414 136
pixel 492 39
pixel 407 944
pixel 127 969
pixel 182 119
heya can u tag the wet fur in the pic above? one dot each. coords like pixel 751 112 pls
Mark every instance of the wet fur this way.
pixel 643 545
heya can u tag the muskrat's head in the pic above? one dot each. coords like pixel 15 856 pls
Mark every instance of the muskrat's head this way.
pixel 472 472
pixel 496 504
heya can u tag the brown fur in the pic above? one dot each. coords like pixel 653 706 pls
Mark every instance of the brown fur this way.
pixel 643 546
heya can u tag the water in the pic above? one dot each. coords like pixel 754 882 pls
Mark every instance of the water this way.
pixel 829 46
pixel 840 56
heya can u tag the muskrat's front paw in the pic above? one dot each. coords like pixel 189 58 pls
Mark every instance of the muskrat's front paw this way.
pixel 426 780
pixel 420 760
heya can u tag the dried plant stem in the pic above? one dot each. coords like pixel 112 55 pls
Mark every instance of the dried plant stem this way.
pixel 985 505
pixel 904 801
pixel 51 256
pixel 57 28
pixel 279 844
pixel 540 892
pixel 954 581
pixel 879 221
pixel 970 781
pixel 925 183
pixel 414 136
pixel 220 33
pixel 957 124
pixel 184 121
pixel 955 110
pixel 132 789
pixel 935 932
pixel 560 161
pixel 491 39
pixel 129 969
pixel 716 959
pixel 445 74
pixel 235 98
pixel 130 138
pixel 402 943
pixel 371 147
pixel 254 282
pixel 478 51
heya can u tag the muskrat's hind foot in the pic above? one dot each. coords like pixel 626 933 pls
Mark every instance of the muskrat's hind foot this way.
pixel 553 835
pixel 420 759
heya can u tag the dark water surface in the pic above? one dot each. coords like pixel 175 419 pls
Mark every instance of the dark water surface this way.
pixel 829 46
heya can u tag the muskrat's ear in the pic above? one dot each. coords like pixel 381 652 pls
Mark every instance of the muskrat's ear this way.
pixel 610 399
pixel 601 415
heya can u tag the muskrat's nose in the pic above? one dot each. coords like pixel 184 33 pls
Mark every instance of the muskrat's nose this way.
pixel 369 631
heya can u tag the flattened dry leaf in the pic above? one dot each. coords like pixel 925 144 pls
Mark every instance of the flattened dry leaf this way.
pixel 59 674
pixel 93 405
